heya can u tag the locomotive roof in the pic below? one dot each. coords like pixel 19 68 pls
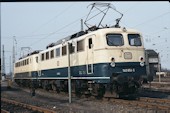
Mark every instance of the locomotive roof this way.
pixel 90 30
pixel 76 35
pixel 29 54
pixel 81 33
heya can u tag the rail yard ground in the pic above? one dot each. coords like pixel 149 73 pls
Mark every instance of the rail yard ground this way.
pixel 151 101
pixel 162 86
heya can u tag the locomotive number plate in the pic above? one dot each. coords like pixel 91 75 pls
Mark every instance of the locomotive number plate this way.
pixel 129 70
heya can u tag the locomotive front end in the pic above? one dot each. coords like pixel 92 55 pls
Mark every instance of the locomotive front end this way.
pixel 124 52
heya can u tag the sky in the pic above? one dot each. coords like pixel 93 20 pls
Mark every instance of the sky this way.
pixel 36 24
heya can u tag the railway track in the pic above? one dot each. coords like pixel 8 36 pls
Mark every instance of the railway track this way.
pixel 4 111
pixel 156 100
pixel 153 104
pixel 8 106
pixel 147 103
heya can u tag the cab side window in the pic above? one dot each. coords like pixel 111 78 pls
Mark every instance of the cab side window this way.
pixel 52 54
pixel 36 59
pixel 72 48
pixel 80 45
pixel 57 52
pixel 90 43
pixel 64 50
pixel 42 57
pixel 47 55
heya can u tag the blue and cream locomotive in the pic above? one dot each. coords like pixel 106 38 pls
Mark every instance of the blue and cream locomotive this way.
pixel 101 60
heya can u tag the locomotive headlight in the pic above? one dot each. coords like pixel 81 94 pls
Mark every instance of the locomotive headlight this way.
pixel 112 64
pixel 142 64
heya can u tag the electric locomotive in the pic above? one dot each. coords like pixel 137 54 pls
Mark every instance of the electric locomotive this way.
pixel 102 61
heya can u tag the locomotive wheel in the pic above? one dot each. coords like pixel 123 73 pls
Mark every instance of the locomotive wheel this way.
pixel 45 85
pixel 101 91
pixel 58 90
pixel 54 88
pixel 87 94
pixel 78 92
pixel 78 89
pixel 100 95
pixel 64 86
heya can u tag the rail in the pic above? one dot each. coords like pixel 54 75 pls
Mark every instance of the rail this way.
pixel 27 106
pixel 150 103
pixel 4 111
pixel 156 100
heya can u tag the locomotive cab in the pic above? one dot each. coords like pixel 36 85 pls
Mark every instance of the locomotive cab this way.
pixel 118 54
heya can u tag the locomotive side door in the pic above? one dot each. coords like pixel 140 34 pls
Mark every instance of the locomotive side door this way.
pixel 89 49
pixel 73 53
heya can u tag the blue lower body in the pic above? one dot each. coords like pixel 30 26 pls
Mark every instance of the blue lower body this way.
pixel 104 70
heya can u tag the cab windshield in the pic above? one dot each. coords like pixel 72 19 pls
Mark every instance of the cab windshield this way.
pixel 134 40
pixel 114 39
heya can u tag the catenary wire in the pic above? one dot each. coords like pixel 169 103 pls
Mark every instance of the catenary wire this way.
pixel 59 30
pixel 61 13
